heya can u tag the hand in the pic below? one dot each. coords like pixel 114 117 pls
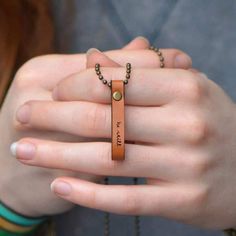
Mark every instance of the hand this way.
pixel 35 81
pixel 183 125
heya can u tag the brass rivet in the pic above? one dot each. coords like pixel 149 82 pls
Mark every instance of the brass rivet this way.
pixel 117 95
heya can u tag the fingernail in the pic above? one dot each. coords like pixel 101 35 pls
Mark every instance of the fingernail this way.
pixel 13 148
pixel 92 50
pixel 23 114
pixel 203 75
pixel 24 151
pixel 143 38
pixel 182 61
pixel 61 188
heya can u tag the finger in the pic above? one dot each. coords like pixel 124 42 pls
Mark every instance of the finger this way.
pixel 165 201
pixel 150 125
pixel 174 58
pixel 148 86
pixel 159 162
pixel 95 56
pixel 48 65
pixel 137 43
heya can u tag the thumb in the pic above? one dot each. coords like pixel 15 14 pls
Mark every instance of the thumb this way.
pixel 137 43
pixel 95 56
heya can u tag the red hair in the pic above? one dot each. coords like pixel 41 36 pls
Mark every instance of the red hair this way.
pixel 26 30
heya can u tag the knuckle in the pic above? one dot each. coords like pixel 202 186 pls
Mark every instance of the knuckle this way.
pixel 107 165
pixel 197 130
pixel 130 203
pixel 199 166
pixel 27 75
pixel 97 117
pixel 192 88
pixel 22 80
pixel 95 91
pixel 93 198
pixel 97 87
pixel 28 68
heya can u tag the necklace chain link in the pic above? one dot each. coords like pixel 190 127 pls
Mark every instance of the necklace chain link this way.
pixel 101 77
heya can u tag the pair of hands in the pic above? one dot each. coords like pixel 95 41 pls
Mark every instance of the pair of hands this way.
pixel 182 126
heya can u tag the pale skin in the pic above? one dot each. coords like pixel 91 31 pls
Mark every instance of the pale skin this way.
pixel 22 186
pixel 182 124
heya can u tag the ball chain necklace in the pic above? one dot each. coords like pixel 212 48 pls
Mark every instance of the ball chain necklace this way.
pixel 117 126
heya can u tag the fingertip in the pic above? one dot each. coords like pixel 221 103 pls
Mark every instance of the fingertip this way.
pixel 23 114
pixel 92 55
pixel 13 148
pixel 144 39
pixel 92 50
pixel 61 187
pixel 139 42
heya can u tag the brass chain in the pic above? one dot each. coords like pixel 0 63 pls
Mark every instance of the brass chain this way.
pixel 100 76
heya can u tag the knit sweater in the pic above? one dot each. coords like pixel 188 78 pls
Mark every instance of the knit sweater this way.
pixel 205 29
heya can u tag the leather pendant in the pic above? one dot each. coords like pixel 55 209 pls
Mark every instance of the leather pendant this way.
pixel 118 119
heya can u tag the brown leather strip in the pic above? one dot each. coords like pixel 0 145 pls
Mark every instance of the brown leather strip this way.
pixel 118 119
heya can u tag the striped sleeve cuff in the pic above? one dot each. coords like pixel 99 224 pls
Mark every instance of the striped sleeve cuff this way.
pixel 14 223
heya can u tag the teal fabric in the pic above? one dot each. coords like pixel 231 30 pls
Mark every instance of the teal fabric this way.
pixel 18 219
pixel 7 233
pixel 205 29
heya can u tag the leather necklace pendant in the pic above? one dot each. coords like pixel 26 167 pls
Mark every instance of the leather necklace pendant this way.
pixel 118 119
pixel 117 112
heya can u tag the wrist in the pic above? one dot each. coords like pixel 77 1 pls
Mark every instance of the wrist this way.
pixel 17 196
pixel 11 195
pixel 14 223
